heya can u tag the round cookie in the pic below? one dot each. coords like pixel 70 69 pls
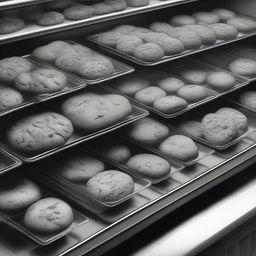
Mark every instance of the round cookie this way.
pixel 160 27
pixel 48 215
pixel 224 14
pixel 128 43
pixel 179 147
pixel 171 46
pixel 170 84
pixel 131 84
pixel 124 29
pixel 137 3
pixel 69 62
pixel 41 80
pixel 243 67
pixel 149 165
pixel 224 31
pixel 248 99
pixel 40 132
pixel 219 129
pixel 239 118
pixel 78 12
pixel 110 186
pixel 31 13
pixel 79 168
pixel 182 20
pixel 148 131
pixel 243 25
pixel 139 32
pixel 206 35
pixel 109 38
pixel 170 104
pixel 221 81
pixel 50 18
pixel 190 39
pixel 149 52
pixel 10 25
pixel 192 128
pixel 17 193
pixel 116 5
pixel 102 8
pixel 206 18
pixel 149 95
pixel 11 67
pixel 192 93
pixel 117 152
pixel 9 98
pixel 193 75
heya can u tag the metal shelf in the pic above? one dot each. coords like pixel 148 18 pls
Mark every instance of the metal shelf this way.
pixel 10 4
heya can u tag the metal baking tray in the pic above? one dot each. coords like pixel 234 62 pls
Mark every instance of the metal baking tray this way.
pixel 203 150
pixel 222 59
pixel 33 30
pixel 120 68
pixel 97 145
pixel 16 220
pixel 73 84
pixel 76 138
pixel 8 161
pixel 92 38
pixel 198 114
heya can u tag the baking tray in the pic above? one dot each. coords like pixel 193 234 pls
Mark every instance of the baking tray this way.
pixel 15 220
pixel 73 84
pixel 77 136
pixel 203 150
pixel 92 38
pixel 198 114
pixel 222 59
pixel 120 68
pixel 8 162
pixel 96 148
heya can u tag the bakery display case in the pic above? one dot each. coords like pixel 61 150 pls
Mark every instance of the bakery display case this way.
pixel 120 117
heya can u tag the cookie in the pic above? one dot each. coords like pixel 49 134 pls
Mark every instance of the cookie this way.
pixel 238 117
pixel 160 27
pixel 131 84
pixel 109 38
pixel 170 104
pixel 9 98
pixel 189 39
pixel 150 94
pixel 192 128
pixel 149 165
pixel 219 129
pixel 31 13
pixel 116 5
pixel 50 18
pixel 41 80
pixel 224 31
pixel 206 18
pixel 17 193
pixel 124 29
pixel 137 3
pixel 171 46
pixel 110 186
pixel 221 81
pixel 193 75
pixel 13 66
pixel 248 99
pixel 243 25
pixel 139 32
pixel 10 25
pixel 149 52
pixel 182 20
pixel 79 168
pixel 179 147
pixel 102 8
pixel 192 93
pixel 128 43
pixel 48 215
pixel 78 12
pixel 170 84
pixel 206 34
pixel 243 67
pixel 39 132
pixel 148 131
pixel 224 14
